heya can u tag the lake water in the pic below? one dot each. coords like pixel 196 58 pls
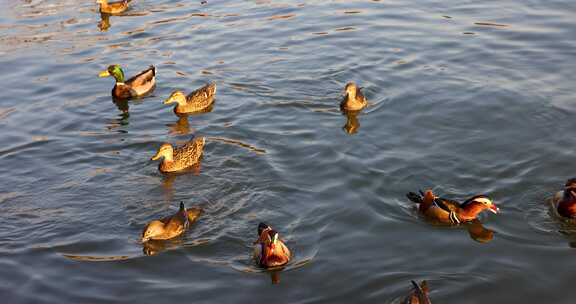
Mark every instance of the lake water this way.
pixel 466 97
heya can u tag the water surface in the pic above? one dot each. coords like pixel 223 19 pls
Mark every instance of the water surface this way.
pixel 465 97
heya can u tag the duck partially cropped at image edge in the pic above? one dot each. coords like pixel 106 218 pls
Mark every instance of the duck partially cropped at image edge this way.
pixel 448 211
pixel 565 201
pixel 117 7
pixel 269 250
pixel 419 294
pixel 137 86
pixel 171 226
pixel 180 158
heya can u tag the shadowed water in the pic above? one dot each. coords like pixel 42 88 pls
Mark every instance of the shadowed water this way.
pixel 465 97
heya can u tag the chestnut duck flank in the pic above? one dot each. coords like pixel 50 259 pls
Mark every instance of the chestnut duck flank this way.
pixel 448 211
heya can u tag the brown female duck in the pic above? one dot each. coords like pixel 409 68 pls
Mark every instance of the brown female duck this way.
pixel 448 211
pixel 269 250
pixel 113 7
pixel 419 294
pixel 565 201
pixel 180 158
pixel 137 86
pixel 198 101
pixel 354 100
pixel 171 226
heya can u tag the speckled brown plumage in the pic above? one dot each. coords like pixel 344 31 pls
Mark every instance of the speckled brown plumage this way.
pixel 201 100
pixel 180 158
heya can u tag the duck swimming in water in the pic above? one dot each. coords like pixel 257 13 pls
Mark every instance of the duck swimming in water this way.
pixel 180 158
pixel 137 86
pixel 419 294
pixel 171 226
pixel 269 250
pixel 565 201
pixel 448 211
pixel 354 100
pixel 198 101
pixel 113 7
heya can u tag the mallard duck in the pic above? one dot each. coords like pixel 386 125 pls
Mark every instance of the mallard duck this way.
pixel 269 250
pixel 354 100
pixel 113 7
pixel 137 86
pixel 200 100
pixel 419 294
pixel 180 158
pixel 171 226
pixel 565 201
pixel 449 211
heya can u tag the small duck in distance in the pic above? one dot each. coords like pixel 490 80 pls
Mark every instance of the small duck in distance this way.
pixel 354 100
pixel 269 250
pixel 448 211
pixel 171 226
pixel 565 201
pixel 201 100
pixel 113 7
pixel 137 86
pixel 180 158
pixel 419 294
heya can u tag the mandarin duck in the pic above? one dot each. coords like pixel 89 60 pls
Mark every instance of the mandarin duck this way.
pixel 448 211
pixel 269 250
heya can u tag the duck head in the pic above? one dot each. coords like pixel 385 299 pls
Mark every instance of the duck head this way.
pixel 102 1
pixel 570 188
pixel 152 230
pixel 176 97
pixel 350 90
pixel 166 151
pixel 270 240
pixel 262 227
pixel 113 70
pixel 476 204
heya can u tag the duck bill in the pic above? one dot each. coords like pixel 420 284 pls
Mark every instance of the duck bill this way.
pixel 169 100
pixel 494 209
pixel 155 157
pixel 104 73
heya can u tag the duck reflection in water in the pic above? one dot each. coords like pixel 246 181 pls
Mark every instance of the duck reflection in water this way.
pixel 352 123
pixel 419 294
pixel 180 127
pixel 104 23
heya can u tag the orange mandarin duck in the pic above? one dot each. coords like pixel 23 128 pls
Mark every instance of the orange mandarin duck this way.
pixel 419 294
pixel 565 201
pixel 269 250
pixel 448 211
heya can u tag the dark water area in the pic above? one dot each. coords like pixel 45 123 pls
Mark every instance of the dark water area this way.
pixel 465 97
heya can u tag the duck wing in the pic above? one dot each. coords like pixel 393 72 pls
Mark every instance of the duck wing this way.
pixel 447 204
pixel 178 223
pixel 144 78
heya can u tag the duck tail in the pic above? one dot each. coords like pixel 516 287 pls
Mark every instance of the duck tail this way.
pixel 415 197
pixel 182 208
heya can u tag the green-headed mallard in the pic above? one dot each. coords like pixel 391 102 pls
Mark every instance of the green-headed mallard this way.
pixel 269 250
pixel 200 100
pixel 354 100
pixel 171 226
pixel 419 294
pixel 137 86
pixel 117 7
pixel 180 158
pixel 448 211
